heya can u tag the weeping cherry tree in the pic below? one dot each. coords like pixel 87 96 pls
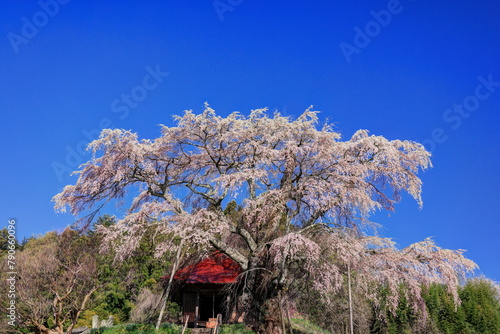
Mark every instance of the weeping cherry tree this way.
pixel 286 199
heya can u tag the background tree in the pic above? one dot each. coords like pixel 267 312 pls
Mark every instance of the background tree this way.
pixel 481 305
pixel 304 197
pixel 4 240
pixel 130 283
pixel 56 278
pixel 479 311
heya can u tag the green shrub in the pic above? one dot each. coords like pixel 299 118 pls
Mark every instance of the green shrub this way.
pixel 304 326
pixel 140 329
pixel 234 329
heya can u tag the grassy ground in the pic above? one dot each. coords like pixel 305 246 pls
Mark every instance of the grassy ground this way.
pixel 299 326
pixel 165 329
pixel 303 326
pixel 139 329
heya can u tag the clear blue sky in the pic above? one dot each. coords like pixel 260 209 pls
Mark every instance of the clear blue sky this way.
pixel 421 70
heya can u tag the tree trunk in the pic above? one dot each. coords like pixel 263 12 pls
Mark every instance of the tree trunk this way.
pixel 273 317
pixel 260 306
pixel 281 313
pixel 249 305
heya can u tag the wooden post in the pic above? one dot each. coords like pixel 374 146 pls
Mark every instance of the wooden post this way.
pixel 350 297
pixel 183 304
pixel 185 325
pixel 166 292
pixel 197 309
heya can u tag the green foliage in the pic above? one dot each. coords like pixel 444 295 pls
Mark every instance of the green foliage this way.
pixel 104 220
pixel 122 282
pixel 4 240
pixel 304 326
pixel 41 240
pixel 481 306
pixel 173 311
pixel 442 310
pixel 478 313
pixel 116 300
pixel 113 302
pixel 403 320
pixel 235 329
pixel 85 319
pixel 140 329
pixel 166 329
pixel 113 299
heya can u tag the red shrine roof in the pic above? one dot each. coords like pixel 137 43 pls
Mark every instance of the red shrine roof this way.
pixel 218 268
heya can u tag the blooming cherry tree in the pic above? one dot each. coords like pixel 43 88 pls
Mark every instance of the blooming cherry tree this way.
pixel 281 197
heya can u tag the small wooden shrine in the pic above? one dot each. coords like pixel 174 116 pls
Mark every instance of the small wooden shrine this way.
pixel 201 292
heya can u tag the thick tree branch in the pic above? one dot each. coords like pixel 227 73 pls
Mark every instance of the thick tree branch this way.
pixel 252 245
pixel 231 252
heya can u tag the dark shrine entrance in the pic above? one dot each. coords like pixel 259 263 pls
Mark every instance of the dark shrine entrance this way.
pixel 202 303
pixel 202 295
pixel 211 305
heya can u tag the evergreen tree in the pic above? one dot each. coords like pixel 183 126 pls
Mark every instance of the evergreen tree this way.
pixel 481 306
